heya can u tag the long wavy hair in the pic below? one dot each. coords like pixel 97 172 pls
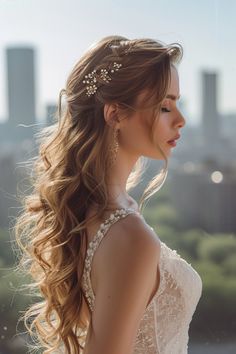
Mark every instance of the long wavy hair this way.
pixel 69 174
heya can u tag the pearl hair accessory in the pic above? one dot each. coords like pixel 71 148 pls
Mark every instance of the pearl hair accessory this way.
pixel 91 78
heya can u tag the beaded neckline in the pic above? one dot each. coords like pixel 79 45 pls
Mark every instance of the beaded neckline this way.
pixel 118 212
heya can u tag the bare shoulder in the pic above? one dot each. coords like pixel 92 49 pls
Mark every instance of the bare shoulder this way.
pixel 131 233
pixel 128 278
pixel 130 239
pixel 134 223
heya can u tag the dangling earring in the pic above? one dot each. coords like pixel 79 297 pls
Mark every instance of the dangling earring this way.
pixel 113 148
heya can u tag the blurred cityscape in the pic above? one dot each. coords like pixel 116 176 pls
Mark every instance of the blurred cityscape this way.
pixel 202 167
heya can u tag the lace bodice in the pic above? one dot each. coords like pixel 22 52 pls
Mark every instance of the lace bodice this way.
pixel 164 326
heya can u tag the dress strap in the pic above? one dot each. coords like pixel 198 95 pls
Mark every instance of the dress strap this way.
pixel 93 245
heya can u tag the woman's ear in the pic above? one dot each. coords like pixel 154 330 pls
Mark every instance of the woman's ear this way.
pixel 111 114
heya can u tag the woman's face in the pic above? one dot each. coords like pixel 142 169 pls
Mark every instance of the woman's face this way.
pixel 135 135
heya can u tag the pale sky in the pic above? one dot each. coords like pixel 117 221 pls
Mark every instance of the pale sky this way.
pixel 61 30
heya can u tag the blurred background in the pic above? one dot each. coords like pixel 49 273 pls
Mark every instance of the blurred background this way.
pixel 194 213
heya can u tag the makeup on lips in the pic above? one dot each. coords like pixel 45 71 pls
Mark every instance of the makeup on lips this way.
pixel 172 142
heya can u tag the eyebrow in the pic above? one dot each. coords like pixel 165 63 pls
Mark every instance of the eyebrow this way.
pixel 173 97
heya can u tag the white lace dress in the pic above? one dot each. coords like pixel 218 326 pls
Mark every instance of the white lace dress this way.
pixel 165 323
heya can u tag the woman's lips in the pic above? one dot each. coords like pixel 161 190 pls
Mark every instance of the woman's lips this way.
pixel 172 143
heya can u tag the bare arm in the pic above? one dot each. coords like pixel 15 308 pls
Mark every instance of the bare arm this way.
pixel 128 281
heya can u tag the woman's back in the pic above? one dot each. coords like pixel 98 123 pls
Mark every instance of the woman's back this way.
pixel 91 231
pixel 134 309
pixel 125 264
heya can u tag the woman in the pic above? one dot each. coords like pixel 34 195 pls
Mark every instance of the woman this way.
pixel 107 283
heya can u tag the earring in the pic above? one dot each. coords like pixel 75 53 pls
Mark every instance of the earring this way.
pixel 113 148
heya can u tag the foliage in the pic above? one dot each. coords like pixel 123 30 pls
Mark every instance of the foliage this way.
pixel 217 248
pixel 12 300
pixel 213 256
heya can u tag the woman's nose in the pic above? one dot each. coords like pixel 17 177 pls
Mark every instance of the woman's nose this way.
pixel 180 121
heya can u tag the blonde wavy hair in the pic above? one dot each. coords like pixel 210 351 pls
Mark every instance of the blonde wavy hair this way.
pixel 69 174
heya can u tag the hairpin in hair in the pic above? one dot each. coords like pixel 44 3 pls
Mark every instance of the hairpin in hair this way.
pixel 91 78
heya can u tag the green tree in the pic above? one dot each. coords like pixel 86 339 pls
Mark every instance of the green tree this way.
pixel 216 248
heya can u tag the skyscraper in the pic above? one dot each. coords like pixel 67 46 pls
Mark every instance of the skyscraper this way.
pixel 210 115
pixel 21 86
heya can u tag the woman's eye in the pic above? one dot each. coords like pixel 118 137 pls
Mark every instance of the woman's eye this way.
pixel 164 109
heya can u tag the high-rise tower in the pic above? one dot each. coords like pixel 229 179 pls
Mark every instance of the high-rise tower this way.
pixel 210 115
pixel 21 85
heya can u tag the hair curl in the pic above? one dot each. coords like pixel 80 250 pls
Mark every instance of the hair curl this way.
pixel 69 174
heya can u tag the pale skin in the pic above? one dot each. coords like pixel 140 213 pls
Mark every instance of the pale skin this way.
pixel 125 273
